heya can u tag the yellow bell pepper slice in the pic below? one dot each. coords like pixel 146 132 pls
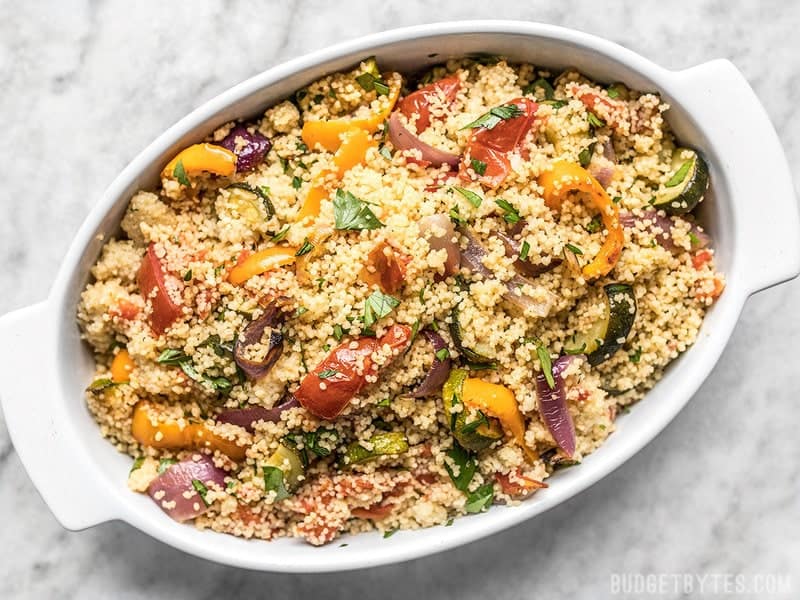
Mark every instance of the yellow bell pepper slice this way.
pixel 261 262
pixel 499 402
pixel 171 435
pixel 328 134
pixel 204 157
pixel 121 367
pixel 353 151
pixel 567 177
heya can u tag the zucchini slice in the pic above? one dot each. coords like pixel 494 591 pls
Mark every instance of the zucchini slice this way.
pixel 472 429
pixel 687 185
pixel 475 360
pixel 609 333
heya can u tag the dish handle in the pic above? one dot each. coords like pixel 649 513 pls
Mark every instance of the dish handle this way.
pixel 767 223
pixel 37 423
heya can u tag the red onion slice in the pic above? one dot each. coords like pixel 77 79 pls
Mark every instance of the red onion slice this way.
pixel 553 406
pixel 472 260
pixel 249 154
pixel 403 139
pixel 248 417
pixel 439 371
pixel 169 490
pixel 252 334
pixel 661 227
pixel 513 248
pixel 442 242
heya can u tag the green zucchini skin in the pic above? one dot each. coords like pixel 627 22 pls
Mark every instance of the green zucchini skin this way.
pixel 602 340
pixel 685 195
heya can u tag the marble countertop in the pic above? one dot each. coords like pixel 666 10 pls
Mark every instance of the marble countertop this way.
pixel 87 84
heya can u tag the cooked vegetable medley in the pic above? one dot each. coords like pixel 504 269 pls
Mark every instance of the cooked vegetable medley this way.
pixel 395 300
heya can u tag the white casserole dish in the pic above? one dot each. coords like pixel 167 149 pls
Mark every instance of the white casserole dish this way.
pixel 751 213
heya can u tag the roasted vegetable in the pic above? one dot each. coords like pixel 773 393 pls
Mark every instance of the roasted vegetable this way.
pixel 201 158
pixel 687 184
pixel 475 360
pixel 380 444
pixel 288 461
pixel 608 334
pixel 159 288
pixel 567 178
pixel 261 262
pixel 253 334
pixel 249 148
pixel 472 429
pixel 180 491
pixel 121 367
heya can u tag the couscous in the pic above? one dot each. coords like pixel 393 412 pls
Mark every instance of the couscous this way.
pixel 391 301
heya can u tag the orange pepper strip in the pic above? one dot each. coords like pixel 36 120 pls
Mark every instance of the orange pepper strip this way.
pixel 353 151
pixel 170 435
pixel 121 367
pixel 566 177
pixel 261 262
pixel 328 133
pixel 201 158
pixel 499 402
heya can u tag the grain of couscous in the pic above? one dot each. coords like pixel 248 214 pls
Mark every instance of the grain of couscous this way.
pixel 392 301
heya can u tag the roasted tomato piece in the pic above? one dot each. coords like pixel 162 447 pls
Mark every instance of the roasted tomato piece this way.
pixel 327 390
pixel 491 146
pixel 419 102
pixel 517 485
pixel 373 513
pixel 153 285
pixel 385 267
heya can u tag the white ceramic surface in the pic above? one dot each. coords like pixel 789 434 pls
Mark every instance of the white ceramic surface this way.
pixel 713 110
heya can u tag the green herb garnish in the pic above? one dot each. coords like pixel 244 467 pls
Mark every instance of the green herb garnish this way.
pixel 98 385
pixel 524 250
pixel 385 152
pixel 201 489
pixel 188 275
pixel 377 306
pixel 679 175
pixel 137 463
pixel 327 373
pixel 164 464
pixel 499 113
pixel 296 182
pixel 180 174
pixel 573 249
pixel 478 166
pixel 594 225
pixel 305 248
pixel 510 214
pixel 274 482
pixel 465 464
pixel 370 82
pixel 471 196
pixel 549 92
pixel 636 355
pixel 442 354
pixel 350 213
pixel 456 217
pixel 594 120
pixel 480 499
pixel 389 533
pixel 338 332
pixel 280 235
pixel 301 310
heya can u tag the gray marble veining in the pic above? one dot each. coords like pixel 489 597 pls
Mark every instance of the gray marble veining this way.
pixel 87 84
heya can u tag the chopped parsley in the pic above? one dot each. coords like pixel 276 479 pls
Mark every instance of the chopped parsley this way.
pixel 573 249
pixel 385 152
pixel 680 174
pixel 478 166
pixel 188 275
pixel 414 332
pixel 179 172
pixel 280 235
pixel 455 216
pixel 471 196
pixel 594 225
pixel 98 385
pixel 543 354
pixel 327 373
pixel 442 354
pixel 636 355
pixel 594 120
pixel 338 332
pixel 201 489
pixel 472 426
pixel 465 467
pixel 284 163
pixel 389 533
pixel 296 182
pixel 384 402
pixel 370 82
pixel 693 239
pixel 377 306
pixel 549 92
pixel 613 92
pixel 524 250
pixel 305 248
pixel 480 499
pixel 137 463
pixel 350 213
pixel 301 310
pixel 510 214
pixel 274 482
pixel 499 113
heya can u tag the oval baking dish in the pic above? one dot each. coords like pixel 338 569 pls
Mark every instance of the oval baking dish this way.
pixel 753 221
